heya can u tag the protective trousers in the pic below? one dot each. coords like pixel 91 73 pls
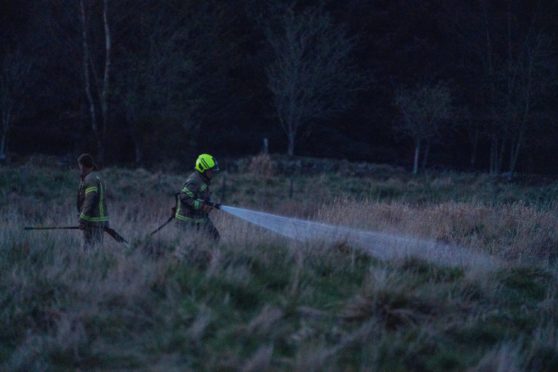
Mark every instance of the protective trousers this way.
pixel 206 227
pixel 93 236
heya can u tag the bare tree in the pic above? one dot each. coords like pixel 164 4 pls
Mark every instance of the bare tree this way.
pixel 158 83
pixel 528 82
pixel 14 80
pixel 98 117
pixel 474 131
pixel 169 72
pixel 514 70
pixel 311 76
pixel 423 110
pixel 473 126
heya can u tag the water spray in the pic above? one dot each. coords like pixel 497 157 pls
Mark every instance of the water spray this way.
pixel 380 245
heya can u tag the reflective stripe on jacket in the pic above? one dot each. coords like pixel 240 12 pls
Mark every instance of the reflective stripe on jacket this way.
pixel 91 202
pixel 193 194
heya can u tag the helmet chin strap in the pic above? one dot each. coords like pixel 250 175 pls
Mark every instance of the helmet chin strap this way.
pixel 207 175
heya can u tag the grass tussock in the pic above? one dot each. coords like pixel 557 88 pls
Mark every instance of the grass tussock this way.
pixel 258 302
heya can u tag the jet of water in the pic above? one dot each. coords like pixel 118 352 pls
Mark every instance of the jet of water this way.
pixel 381 245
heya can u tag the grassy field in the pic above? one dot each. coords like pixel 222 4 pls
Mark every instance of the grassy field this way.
pixel 259 302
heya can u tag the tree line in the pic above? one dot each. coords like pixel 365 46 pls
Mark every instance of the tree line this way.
pixel 468 85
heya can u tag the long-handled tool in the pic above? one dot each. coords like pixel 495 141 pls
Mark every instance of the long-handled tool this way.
pixel 51 228
pixel 173 212
pixel 214 205
pixel 165 224
pixel 116 236
pixel 113 234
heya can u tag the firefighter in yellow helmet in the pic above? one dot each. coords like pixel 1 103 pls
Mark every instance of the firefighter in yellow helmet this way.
pixel 194 204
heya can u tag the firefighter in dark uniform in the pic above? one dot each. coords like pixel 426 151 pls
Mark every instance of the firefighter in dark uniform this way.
pixel 91 202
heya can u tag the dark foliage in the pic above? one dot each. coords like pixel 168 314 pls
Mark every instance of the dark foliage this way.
pixel 190 76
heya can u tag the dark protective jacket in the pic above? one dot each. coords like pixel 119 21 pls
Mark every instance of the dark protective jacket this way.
pixel 194 193
pixel 91 202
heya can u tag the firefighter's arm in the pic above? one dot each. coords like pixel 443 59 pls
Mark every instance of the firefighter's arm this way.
pixel 91 195
pixel 188 196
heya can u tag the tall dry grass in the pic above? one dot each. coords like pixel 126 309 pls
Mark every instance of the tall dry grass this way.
pixel 515 232
pixel 256 301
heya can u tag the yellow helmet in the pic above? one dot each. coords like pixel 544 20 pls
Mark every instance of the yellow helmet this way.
pixel 205 162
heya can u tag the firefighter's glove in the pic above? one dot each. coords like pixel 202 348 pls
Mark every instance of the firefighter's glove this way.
pixel 81 225
pixel 213 205
pixel 207 208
